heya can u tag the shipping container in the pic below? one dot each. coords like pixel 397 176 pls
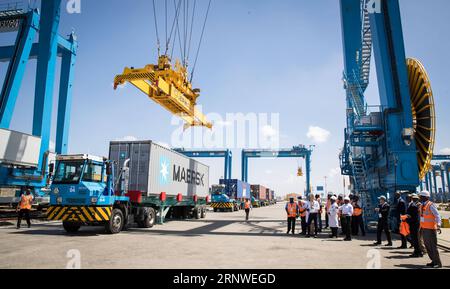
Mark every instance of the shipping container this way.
pixel 258 192
pixel 155 169
pixel 236 189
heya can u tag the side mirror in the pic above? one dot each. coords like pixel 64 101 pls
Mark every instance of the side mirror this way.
pixel 109 169
pixel 51 169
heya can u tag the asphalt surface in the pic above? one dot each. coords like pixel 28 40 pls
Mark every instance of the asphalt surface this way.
pixel 221 241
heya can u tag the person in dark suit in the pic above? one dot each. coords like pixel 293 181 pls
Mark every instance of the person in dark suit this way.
pixel 400 210
pixel 383 221
pixel 413 220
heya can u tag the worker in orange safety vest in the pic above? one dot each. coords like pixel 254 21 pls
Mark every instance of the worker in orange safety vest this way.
pixel 292 211
pixel 430 223
pixel 357 218
pixel 247 208
pixel 24 207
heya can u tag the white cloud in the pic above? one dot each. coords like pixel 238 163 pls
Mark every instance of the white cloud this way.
pixel 445 151
pixel 318 134
pixel 268 131
pixel 127 138
pixel 269 172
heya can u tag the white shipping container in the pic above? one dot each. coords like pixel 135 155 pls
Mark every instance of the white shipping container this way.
pixel 19 149
pixel 155 169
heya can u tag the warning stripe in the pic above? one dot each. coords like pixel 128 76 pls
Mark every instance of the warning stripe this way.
pixel 222 205
pixel 83 214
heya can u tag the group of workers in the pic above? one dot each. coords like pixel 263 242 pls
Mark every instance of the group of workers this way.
pixel 417 220
pixel 340 211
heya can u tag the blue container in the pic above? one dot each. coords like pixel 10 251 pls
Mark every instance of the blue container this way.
pixel 236 189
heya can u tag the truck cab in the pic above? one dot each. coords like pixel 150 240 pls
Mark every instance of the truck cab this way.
pixel 220 201
pixel 83 193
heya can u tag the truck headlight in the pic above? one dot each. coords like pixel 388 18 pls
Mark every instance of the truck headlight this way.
pixel 59 200
pixel 56 191
pixel 94 200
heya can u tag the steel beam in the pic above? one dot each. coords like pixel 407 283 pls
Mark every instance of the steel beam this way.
pixel 45 73
pixel 16 68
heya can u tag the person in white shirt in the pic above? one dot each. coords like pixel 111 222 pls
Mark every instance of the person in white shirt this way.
pixel 313 210
pixel 347 212
pixel 333 217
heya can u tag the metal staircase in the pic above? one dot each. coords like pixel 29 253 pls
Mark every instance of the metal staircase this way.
pixel 366 46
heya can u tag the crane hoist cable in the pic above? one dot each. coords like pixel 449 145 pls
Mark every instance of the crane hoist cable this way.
pixel 200 42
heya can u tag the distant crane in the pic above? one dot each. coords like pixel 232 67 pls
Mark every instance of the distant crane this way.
pixel 295 152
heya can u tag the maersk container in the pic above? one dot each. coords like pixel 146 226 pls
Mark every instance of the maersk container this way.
pixel 155 169
pixel 236 189
pixel 258 192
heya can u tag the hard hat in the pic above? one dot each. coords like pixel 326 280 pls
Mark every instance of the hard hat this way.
pixel 347 199
pixel 425 194
pixel 382 198
pixel 414 196
pixel 333 198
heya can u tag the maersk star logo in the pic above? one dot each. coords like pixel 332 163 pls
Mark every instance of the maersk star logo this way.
pixel 164 170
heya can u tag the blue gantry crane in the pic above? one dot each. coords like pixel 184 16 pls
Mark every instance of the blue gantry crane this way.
pixel 295 152
pixel 24 157
pixel 388 147
pixel 225 154
pixel 430 183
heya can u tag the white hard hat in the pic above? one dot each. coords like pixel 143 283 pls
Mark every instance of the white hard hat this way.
pixel 346 199
pixel 425 194
pixel 382 198
pixel 333 198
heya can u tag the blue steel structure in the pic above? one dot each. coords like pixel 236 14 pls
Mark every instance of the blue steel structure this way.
pixel 380 153
pixel 225 154
pixel 49 46
pixel 430 183
pixel 295 152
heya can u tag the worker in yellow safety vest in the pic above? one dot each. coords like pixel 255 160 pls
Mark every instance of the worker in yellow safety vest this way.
pixel 357 218
pixel 430 223
pixel 292 211
pixel 24 207
pixel 247 208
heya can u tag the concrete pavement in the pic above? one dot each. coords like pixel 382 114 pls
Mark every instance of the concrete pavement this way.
pixel 222 240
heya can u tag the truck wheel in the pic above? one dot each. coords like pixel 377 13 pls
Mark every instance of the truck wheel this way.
pixel 70 227
pixel 115 224
pixel 197 213
pixel 149 219
pixel 203 215
pixel 215 210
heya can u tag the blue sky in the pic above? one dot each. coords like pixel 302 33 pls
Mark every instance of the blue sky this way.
pixel 258 56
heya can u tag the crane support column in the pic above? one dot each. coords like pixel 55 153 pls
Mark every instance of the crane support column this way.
pixel 395 97
pixel 65 96
pixel 46 65
pixel 18 57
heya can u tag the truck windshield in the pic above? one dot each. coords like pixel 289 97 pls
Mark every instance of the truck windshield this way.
pixel 93 173
pixel 68 172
